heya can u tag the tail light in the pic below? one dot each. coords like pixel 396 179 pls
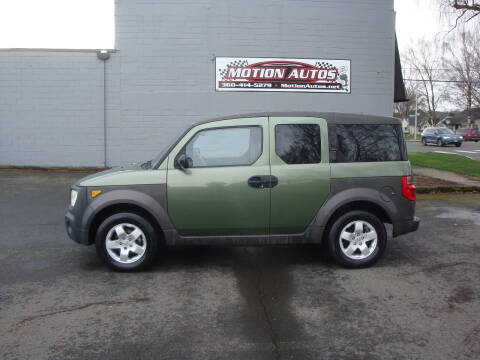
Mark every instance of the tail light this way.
pixel 408 189
pixel 469 134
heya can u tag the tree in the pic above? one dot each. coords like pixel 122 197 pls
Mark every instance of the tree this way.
pixel 462 62
pixel 464 10
pixel 405 108
pixel 425 67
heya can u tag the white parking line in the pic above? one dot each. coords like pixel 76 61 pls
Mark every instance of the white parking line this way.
pixel 466 151
pixel 452 153
pixel 447 152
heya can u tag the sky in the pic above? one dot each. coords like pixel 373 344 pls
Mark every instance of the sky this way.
pixel 64 24
pixel 416 19
pixel 89 24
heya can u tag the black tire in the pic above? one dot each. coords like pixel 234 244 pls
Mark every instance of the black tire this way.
pixel 439 142
pixel 476 140
pixel 458 144
pixel 334 239
pixel 150 238
pixel 424 142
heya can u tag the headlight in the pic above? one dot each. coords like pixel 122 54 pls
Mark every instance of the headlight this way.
pixel 461 137
pixel 73 197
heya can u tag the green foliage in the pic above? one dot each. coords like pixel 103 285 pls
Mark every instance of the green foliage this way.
pixel 455 163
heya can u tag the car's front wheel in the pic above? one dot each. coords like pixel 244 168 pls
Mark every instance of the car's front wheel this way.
pixel 424 142
pixel 126 242
pixel 439 142
pixel 357 239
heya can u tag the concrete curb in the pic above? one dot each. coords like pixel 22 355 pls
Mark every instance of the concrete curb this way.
pixel 447 189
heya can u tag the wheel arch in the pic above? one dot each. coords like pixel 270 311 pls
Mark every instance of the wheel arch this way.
pixel 363 205
pixel 365 199
pixel 126 200
pixel 122 207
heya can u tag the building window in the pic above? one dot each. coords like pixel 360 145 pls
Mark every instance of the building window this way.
pixel 298 143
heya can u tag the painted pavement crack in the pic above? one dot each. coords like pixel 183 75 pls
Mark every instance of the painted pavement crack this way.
pixel 81 307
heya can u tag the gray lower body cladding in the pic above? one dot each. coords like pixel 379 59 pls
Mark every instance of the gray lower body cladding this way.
pixel 383 193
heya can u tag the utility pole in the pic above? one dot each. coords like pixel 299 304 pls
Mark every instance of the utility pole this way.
pixel 416 115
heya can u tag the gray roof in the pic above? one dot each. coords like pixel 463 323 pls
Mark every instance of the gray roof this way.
pixel 330 117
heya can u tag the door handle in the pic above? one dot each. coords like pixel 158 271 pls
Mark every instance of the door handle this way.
pixel 273 181
pixel 263 181
pixel 256 182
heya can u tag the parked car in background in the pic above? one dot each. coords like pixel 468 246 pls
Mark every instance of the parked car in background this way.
pixel 441 136
pixel 469 134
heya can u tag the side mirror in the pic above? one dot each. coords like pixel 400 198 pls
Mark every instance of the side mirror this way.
pixel 183 162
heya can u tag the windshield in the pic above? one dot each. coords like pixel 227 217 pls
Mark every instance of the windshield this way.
pixel 444 131
pixel 163 153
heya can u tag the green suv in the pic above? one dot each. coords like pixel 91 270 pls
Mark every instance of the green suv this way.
pixel 259 179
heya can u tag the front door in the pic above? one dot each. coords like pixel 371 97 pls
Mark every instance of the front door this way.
pixel 219 193
pixel 299 160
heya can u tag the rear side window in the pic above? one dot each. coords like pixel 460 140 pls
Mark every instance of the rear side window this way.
pixel 233 146
pixel 298 143
pixel 369 143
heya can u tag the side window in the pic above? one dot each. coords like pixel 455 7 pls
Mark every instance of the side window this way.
pixel 225 146
pixel 298 143
pixel 368 143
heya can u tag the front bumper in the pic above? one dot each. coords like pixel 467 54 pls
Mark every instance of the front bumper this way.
pixel 73 218
pixel 452 141
pixel 405 227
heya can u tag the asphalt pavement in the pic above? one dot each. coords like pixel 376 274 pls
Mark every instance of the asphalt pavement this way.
pixel 469 149
pixel 59 301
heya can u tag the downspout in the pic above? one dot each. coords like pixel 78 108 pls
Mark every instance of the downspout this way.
pixel 104 55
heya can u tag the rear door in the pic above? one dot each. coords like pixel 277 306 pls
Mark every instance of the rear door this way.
pixel 299 160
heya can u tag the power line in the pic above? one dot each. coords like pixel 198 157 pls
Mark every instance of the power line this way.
pixel 444 81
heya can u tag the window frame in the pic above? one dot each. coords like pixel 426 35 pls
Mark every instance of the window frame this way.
pixel 183 149
pixel 400 139
pixel 290 124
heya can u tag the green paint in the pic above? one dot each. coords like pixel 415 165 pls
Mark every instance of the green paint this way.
pixel 218 200
pixel 302 188
pixel 125 177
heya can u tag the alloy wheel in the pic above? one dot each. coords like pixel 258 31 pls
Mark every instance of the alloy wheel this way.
pixel 358 240
pixel 125 243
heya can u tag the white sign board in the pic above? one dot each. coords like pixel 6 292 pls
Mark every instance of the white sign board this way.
pixel 280 74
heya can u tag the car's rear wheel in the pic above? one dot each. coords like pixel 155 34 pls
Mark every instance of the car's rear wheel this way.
pixel 424 142
pixel 126 242
pixel 357 239
pixel 439 142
